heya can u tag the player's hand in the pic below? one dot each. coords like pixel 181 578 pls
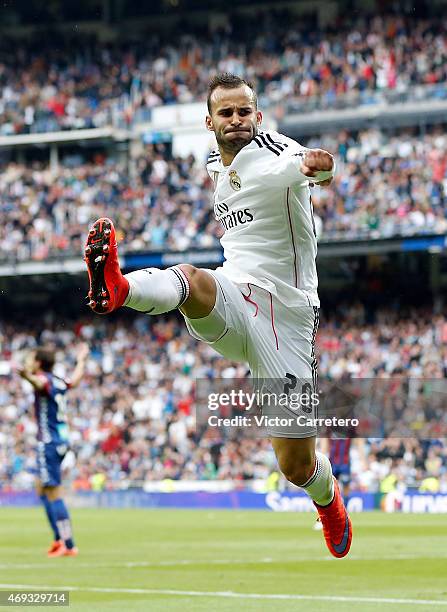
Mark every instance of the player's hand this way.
pixel 317 160
pixel 83 351
pixel 22 371
pixel 28 363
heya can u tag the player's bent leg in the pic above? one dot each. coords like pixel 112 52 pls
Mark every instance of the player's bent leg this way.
pixel 152 291
pixel 216 312
pixel 155 291
pixel 315 476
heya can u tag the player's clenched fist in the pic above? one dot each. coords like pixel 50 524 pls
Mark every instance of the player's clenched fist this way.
pixel 317 164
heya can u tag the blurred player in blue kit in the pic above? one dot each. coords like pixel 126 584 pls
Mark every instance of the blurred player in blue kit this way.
pixel 339 455
pixel 52 439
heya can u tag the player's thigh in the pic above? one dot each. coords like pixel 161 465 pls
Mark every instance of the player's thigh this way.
pixel 225 327
pixel 283 340
pixel 49 460
pixel 53 493
pixel 283 364
pixel 43 472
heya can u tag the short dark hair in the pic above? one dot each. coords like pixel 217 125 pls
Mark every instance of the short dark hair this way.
pixel 46 357
pixel 228 81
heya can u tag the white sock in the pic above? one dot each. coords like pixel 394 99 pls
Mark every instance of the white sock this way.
pixel 320 486
pixel 155 291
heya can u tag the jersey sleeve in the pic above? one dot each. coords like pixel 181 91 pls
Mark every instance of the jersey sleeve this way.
pixel 285 171
pixel 280 162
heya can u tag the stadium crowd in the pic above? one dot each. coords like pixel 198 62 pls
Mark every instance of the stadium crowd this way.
pixel 132 418
pixel 386 184
pixel 68 83
pixel 166 205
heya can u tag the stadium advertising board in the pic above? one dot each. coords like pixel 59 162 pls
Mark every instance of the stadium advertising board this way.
pixel 275 501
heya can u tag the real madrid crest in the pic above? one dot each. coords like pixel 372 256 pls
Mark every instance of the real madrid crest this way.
pixel 235 180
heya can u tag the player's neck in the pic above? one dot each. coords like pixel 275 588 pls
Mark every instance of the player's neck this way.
pixel 227 158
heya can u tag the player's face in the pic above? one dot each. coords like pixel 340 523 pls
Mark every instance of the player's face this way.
pixel 234 118
pixel 31 363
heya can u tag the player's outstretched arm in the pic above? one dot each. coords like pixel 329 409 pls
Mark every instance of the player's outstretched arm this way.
pixel 38 382
pixel 79 370
pixel 318 164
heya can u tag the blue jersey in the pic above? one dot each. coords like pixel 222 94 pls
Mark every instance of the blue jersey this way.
pixel 339 451
pixel 49 409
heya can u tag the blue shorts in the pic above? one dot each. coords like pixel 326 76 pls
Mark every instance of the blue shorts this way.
pixel 342 473
pixel 49 459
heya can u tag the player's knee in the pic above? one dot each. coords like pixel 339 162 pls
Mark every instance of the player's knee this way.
pixel 202 292
pixel 199 280
pixel 190 272
pixel 52 493
pixel 195 279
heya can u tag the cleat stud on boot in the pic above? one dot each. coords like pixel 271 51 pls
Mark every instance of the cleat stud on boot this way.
pixel 88 250
pixel 92 303
pixel 105 303
pixel 107 232
pixel 92 232
pixel 105 248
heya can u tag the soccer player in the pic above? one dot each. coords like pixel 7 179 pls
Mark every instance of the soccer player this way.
pixel 262 305
pixel 52 439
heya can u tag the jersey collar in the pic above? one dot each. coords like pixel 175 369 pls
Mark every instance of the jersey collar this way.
pixel 214 163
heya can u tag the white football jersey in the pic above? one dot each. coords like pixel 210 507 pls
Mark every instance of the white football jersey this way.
pixel 263 202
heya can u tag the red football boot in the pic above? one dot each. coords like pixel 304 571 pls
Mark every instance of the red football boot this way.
pixel 108 287
pixel 63 551
pixel 55 545
pixel 337 528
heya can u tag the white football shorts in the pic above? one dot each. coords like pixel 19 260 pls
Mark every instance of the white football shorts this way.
pixel 249 324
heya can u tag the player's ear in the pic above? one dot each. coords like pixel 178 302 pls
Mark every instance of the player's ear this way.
pixel 209 123
pixel 258 118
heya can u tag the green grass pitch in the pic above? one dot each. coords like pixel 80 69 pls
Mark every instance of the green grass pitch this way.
pixel 177 560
